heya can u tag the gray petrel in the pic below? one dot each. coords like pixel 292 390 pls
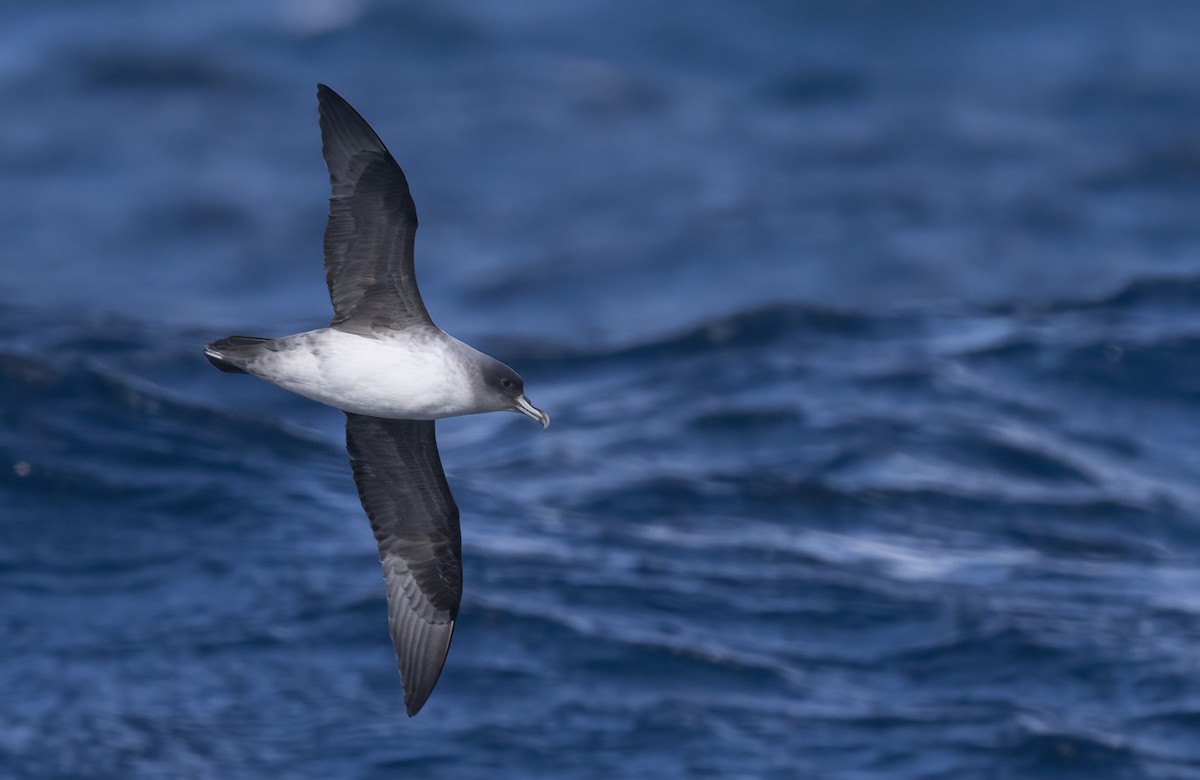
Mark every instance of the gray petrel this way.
pixel 393 372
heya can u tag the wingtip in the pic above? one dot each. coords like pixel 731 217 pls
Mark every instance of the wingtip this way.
pixel 330 103
pixel 342 127
pixel 325 94
pixel 419 685
pixel 415 700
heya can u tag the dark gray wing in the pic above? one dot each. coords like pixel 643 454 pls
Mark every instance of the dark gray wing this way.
pixel 404 491
pixel 372 223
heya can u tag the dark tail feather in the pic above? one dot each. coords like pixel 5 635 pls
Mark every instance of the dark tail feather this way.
pixel 227 367
pixel 229 354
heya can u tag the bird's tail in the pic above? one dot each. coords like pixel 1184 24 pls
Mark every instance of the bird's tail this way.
pixel 232 354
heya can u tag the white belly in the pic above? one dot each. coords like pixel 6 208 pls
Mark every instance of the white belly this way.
pixel 415 377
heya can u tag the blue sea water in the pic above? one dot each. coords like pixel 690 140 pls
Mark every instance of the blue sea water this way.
pixel 870 331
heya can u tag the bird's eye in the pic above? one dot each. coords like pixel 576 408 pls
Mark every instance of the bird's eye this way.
pixel 506 382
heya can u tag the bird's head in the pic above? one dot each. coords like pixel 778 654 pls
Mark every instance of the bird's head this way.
pixel 506 392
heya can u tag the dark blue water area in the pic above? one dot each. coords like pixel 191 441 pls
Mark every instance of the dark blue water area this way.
pixel 870 331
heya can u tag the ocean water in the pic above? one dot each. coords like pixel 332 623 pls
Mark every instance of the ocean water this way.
pixel 870 331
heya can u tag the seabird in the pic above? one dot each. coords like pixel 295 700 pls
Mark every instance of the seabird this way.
pixel 393 372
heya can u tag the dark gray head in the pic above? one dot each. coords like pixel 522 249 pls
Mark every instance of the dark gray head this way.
pixel 504 390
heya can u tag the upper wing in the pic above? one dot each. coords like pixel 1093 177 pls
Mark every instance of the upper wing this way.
pixel 404 491
pixel 372 223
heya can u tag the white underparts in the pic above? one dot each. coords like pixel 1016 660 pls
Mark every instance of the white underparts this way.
pixel 420 375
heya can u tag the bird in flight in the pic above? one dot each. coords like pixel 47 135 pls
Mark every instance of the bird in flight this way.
pixel 393 372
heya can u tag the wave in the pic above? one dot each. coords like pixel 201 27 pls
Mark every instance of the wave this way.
pixel 83 432
pixel 946 328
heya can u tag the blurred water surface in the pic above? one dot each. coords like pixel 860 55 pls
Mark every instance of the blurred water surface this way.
pixel 870 332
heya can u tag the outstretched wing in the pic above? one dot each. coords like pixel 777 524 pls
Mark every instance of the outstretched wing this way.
pixel 404 491
pixel 372 223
